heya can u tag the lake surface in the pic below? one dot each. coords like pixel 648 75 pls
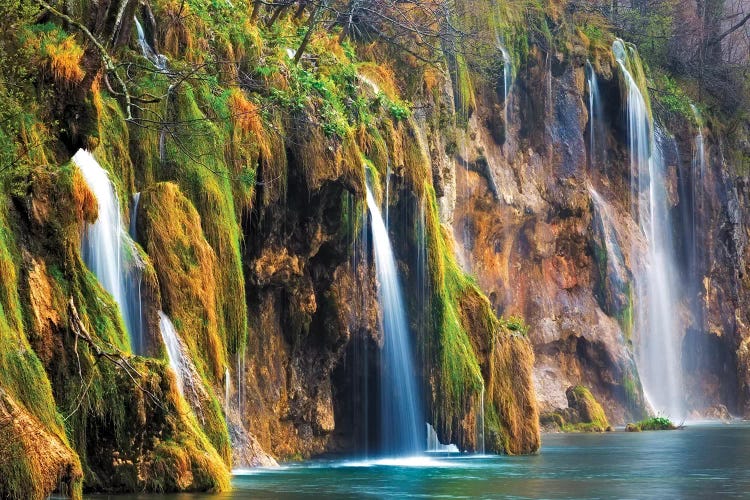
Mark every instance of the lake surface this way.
pixel 701 461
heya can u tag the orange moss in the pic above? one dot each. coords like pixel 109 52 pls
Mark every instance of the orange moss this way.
pixel 246 120
pixel 35 462
pixel 65 61
pixel 87 207
pixel 187 269
pixel 183 34
pixel 381 75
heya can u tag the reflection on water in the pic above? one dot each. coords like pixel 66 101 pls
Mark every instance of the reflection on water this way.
pixel 704 461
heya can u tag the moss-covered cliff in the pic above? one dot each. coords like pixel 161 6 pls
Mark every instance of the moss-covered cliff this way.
pixel 250 234
pixel 247 131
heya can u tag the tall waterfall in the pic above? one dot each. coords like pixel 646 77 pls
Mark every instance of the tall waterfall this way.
pixel 400 412
pixel 108 251
pixel 659 336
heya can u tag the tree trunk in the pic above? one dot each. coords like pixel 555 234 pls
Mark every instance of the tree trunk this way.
pixel 310 28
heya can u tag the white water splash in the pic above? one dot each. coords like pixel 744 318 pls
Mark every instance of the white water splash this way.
pixel 434 445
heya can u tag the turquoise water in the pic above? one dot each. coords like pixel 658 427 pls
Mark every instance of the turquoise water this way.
pixel 706 461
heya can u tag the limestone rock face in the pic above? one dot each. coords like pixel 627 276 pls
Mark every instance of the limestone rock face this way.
pixel 528 229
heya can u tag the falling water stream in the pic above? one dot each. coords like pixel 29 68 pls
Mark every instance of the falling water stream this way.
pixel 507 81
pixel 158 60
pixel 596 143
pixel 107 249
pixel 174 350
pixel 434 445
pixel 659 333
pixel 400 414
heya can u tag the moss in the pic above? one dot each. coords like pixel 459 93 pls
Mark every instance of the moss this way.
pixel 656 424
pixel 187 268
pixel 203 177
pixel 625 317
pixel 592 416
pixel 476 353
pixel 674 99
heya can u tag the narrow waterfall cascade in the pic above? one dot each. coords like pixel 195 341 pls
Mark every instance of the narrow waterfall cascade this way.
pixel 133 228
pixel 480 424
pixel 659 332
pixel 174 350
pixel 698 191
pixel 597 151
pixel 109 252
pixel 240 388
pixel 227 388
pixel 507 81
pixel 615 260
pixel 400 405
pixel 435 446
pixel 158 60
pixel 134 282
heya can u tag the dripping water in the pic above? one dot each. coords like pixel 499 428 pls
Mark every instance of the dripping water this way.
pixel 481 424
pixel 135 280
pixel 659 336
pixel 400 414
pixel 240 384
pixel 698 183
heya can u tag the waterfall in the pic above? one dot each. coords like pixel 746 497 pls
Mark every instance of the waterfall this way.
pixel 596 145
pixel 240 378
pixel 158 60
pixel 189 382
pixel 435 446
pixel 481 426
pixel 615 261
pixel 174 351
pixel 133 216
pixel 659 332
pixel 227 386
pixel 109 252
pixel 507 81
pixel 400 415
pixel 698 180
